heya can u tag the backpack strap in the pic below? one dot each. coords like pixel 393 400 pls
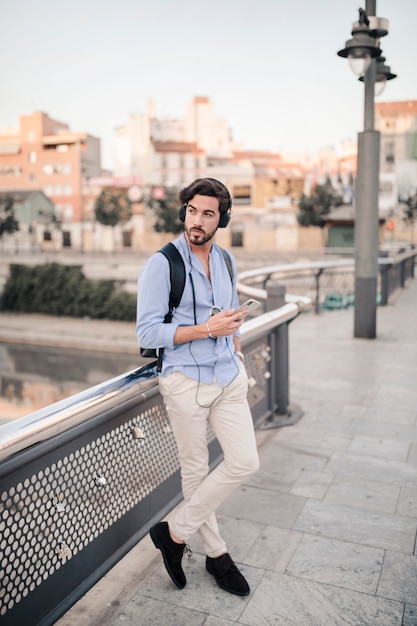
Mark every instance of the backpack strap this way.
pixel 228 262
pixel 177 277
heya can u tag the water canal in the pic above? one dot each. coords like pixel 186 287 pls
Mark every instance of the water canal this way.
pixel 32 377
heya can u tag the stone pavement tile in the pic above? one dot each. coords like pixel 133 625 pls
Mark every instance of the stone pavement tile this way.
pixel 412 456
pixel 384 430
pixel 143 611
pixel 274 476
pixel 274 549
pixel 239 534
pixel 292 456
pixel 407 503
pixel 383 414
pixel 386 449
pixel 218 621
pixel 339 442
pixel 398 578
pixel 263 506
pixel 327 393
pixel 397 397
pixel 303 433
pixel 354 410
pixel 281 464
pixel 339 563
pixel 402 367
pixel 289 601
pixel 366 494
pixel 410 615
pixel 349 523
pixel 378 470
pixel 331 422
pixel 201 592
pixel 312 484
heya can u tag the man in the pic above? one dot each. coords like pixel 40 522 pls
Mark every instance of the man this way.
pixel 203 380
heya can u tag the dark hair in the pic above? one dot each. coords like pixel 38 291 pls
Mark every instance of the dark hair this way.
pixel 207 187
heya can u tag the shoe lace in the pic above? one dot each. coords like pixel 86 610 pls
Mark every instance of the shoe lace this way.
pixel 187 550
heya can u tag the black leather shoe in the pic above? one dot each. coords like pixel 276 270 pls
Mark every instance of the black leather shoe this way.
pixel 227 575
pixel 172 552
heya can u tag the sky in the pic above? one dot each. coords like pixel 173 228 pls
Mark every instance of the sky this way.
pixel 270 67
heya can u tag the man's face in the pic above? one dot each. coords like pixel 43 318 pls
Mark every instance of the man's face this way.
pixel 202 216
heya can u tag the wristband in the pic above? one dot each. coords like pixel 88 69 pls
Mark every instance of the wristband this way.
pixel 209 332
pixel 240 355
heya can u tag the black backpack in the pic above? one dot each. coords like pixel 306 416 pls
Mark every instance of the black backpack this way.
pixel 177 277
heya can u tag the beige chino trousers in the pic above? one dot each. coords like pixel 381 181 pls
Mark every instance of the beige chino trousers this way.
pixel 191 405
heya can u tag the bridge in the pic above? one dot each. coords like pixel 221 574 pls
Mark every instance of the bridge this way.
pixel 325 532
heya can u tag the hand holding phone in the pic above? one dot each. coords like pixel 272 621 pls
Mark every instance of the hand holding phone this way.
pixel 252 305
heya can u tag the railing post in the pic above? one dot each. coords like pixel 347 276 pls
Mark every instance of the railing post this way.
pixel 384 285
pixel 282 369
pixel 319 273
pixel 281 415
pixel 275 295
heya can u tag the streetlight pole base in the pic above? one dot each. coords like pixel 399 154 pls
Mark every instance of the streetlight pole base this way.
pixel 277 421
pixel 365 308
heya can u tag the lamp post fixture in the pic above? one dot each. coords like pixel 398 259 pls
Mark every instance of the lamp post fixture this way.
pixel 363 52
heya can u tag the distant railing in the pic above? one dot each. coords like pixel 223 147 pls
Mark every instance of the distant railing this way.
pixel 82 481
pixel 327 284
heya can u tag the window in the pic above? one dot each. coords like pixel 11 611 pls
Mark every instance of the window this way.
pixel 68 212
pixel 10 170
pixel 47 236
pixel 67 190
pixel 242 194
pixel 389 152
pixel 32 156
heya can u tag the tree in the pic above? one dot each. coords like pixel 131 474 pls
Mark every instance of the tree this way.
pixel 50 218
pixel 163 202
pixel 8 221
pixel 315 207
pixel 112 207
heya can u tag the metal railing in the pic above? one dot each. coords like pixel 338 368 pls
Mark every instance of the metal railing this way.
pixel 83 480
pixel 319 281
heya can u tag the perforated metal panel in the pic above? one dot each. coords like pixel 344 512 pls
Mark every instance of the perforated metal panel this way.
pixel 62 505
pixel 50 516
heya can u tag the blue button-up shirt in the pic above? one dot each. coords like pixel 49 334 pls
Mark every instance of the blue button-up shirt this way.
pixel 202 359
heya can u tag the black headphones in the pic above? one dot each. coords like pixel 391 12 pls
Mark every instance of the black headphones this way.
pixel 225 205
pixel 223 221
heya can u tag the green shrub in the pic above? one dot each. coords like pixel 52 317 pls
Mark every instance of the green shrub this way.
pixel 56 289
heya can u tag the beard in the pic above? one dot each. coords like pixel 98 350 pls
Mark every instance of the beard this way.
pixel 198 236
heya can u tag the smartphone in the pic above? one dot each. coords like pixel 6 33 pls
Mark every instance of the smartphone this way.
pixel 251 304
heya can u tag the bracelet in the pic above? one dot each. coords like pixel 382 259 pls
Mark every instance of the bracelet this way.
pixel 240 355
pixel 209 332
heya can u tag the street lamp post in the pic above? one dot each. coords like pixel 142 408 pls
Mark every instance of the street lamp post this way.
pixel 362 52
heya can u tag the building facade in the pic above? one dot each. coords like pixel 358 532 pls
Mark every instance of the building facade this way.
pixel 43 154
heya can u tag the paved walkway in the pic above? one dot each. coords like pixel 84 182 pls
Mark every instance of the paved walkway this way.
pixel 326 531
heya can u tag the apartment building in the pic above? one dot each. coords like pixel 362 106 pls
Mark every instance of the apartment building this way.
pixel 44 154
pixel 397 123
pixel 171 151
